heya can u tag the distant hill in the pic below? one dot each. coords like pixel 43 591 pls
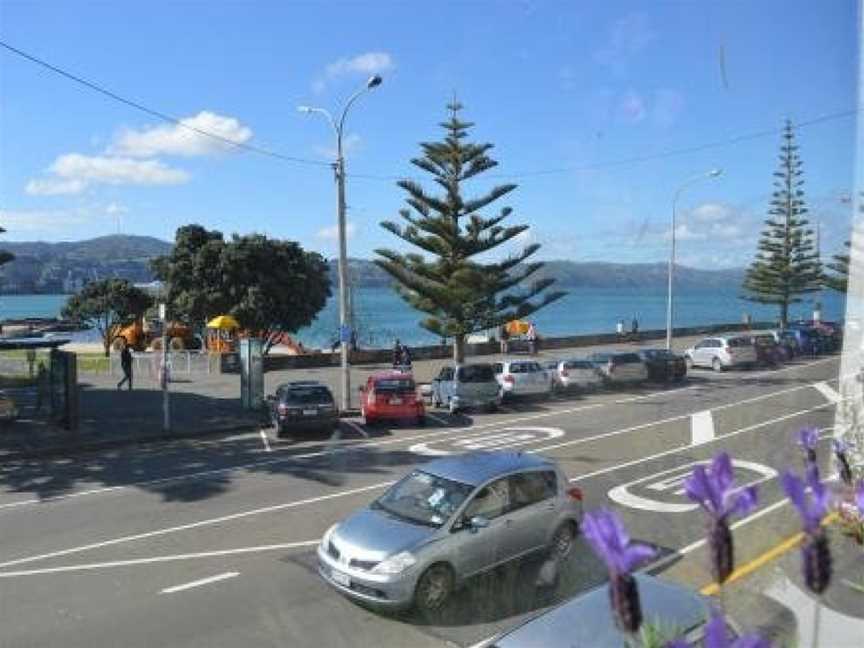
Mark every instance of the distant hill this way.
pixel 63 267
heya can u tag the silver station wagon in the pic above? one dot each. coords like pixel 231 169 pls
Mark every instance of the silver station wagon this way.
pixel 447 521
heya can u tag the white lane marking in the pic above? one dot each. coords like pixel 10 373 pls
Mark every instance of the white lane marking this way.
pixel 506 438
pixel 266 441
pixel 622 495
pixel 309 455
pixel 199 583
pixel 195 525
pixel 604 435
pixel 357 428
pixel 827 391
pixel 437 418
pixel 701 427
pixel 158 559
pixel 665 453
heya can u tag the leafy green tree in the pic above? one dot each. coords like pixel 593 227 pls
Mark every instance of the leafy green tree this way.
pixel 274 286
pixel 5 256
pixel 269 286
pixel 459 293
pixel 107 305
pixel 787 264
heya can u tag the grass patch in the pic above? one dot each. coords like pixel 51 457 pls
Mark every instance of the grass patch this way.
pixel 93 362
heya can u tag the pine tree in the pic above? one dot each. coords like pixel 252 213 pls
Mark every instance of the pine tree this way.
pixel 787 264
pixel 459 293
pixel 839 278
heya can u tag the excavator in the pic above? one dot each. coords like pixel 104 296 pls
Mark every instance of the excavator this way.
pixel 146 333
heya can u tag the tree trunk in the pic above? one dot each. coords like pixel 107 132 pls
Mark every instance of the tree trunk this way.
pixel 106 344
pixel 458 349
pixel 784 314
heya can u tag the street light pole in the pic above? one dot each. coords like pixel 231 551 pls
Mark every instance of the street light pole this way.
pixel 345 326
pixel 713 173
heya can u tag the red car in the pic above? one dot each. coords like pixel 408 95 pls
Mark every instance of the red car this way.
pixel 391 395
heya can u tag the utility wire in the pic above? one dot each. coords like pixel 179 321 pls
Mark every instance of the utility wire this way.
pixel 155 113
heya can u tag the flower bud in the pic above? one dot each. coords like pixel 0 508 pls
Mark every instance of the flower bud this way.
pixel 722 551
pixel 816 559
pixel 624 599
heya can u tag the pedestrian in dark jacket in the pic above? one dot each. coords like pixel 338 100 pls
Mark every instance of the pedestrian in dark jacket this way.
pixel 126 366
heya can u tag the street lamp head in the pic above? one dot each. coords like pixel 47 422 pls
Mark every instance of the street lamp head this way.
pixel 713 173
pixel 304 109
pixel 374 81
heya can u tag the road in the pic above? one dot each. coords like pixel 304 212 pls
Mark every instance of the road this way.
pixel 211 543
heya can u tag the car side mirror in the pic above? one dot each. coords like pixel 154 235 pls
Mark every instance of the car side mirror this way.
pixel 478 522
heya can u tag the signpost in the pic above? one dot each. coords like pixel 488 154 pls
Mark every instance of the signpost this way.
pixel 251 373
pixel 164 376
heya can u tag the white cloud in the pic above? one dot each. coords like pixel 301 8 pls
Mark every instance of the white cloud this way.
pixel 367 63
pixel 23 223
pixel 332 233
pixel 181 140
pixel 73 173
pixel 115 209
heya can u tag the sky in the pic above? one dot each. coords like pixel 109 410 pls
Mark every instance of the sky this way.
pixel 588 104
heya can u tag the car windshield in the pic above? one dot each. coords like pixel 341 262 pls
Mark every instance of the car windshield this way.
pixel 476 374
pixel 626 358
pixel 308 395
pixel 738 342
pixel 580 364
pixel 424 498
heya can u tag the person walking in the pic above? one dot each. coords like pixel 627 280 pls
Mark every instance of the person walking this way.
pixel 634 328
pixel 126 366
pixel 397 354
pixel 505 339
pixel 532 339
pixel 405 359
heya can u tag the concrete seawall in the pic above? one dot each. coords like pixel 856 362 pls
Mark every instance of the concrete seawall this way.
pixel 230 363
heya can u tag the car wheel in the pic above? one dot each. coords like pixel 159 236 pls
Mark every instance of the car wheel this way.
pixel 492 407
pixel 420 421
pixel 563 540
pixel 433 588
pixel 716 365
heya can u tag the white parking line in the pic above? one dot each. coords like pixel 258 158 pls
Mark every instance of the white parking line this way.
pixel 701 427
pixel 265 440
pixel 427 435
pixel 357 428
pixel 158 559
pixel 196 525
pixel 827 391
pixel 199 583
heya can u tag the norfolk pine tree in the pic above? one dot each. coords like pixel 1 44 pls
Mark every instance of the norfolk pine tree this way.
pixel 459 293
pixel 787 264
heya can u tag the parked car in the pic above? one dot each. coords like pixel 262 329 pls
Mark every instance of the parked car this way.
pixel 768 351
pixel 807 340
pixel 664 365
pixel 447 521
pixel 587 620
pixel 391 395
pixel 620 368
pixel 522 378
pixel 302 405
pixel 722 352
pixel 466 385
pixel 829 334
pixel 567 374
pixel 786 344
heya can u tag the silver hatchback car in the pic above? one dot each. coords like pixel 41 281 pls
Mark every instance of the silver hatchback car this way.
pixel 447 521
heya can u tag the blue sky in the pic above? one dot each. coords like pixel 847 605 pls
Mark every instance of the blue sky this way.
pixel 555 86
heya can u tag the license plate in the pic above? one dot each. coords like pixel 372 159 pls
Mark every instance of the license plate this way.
pixel 310 412
pixel 395 401
pixel 339 577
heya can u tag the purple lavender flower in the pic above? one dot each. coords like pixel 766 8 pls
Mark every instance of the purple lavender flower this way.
pixel 840 448
pixel 808 438
pixel 713 489
pixel 717 636
pixel 812 507
pixel 859 497
pixel 610 541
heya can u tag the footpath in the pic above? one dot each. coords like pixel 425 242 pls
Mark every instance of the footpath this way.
pixel 203 405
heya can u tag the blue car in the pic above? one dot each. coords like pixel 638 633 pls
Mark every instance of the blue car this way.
pixel 808 341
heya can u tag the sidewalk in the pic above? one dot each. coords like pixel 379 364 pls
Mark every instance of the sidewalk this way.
pixel 202 405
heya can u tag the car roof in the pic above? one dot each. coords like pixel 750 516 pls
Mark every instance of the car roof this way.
pixel 392 375
pixel 301 383
pixel 476 468
pixel 586 620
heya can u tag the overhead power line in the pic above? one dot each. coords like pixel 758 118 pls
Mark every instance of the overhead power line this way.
pixel 389 178
pixel 158 114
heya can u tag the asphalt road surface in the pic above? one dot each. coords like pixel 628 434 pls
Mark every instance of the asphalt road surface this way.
pixel 212 543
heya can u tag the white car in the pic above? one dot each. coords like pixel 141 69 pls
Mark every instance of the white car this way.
pixel 722 352
pixel 522 378
pixel 582 374
pixel 618 368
